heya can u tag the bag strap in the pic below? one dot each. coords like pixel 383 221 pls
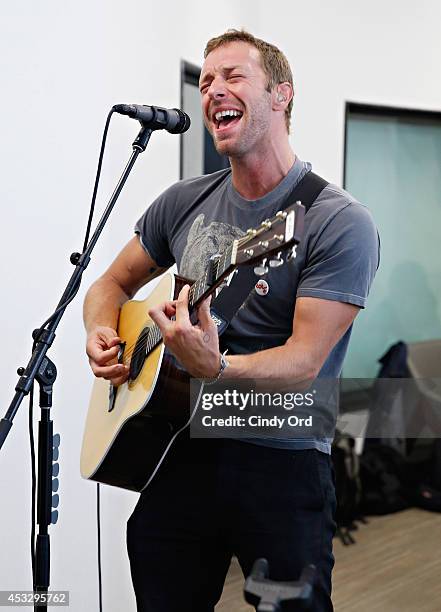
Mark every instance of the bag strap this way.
pixel 231 298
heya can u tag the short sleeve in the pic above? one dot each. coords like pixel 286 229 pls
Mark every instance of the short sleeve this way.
pixel 153 228
pixel 343 259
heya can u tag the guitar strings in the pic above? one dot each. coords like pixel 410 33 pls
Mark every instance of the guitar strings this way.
pixel 154 329
pixel 155 335
pixel 195 288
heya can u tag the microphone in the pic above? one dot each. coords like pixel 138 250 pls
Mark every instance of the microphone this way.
pixel 173 120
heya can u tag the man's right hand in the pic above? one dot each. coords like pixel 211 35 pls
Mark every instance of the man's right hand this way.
pixel 102 349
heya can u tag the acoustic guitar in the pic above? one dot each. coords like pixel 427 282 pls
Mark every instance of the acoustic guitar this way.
pixel 130 428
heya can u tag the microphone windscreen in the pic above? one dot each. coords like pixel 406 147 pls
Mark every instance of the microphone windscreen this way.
pixel 183 124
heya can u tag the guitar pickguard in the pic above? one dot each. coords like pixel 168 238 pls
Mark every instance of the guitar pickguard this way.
pixel 113 390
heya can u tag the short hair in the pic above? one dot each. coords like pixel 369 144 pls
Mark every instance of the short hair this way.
pixel 274 63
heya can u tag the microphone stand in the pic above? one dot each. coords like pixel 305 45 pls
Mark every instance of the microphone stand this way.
pixel 43 370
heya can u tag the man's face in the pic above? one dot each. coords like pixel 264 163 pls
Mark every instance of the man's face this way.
pixel 232 79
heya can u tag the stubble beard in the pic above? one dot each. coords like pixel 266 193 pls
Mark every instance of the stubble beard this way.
pixel 252 132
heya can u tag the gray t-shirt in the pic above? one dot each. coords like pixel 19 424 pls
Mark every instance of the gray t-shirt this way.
pixel 336 259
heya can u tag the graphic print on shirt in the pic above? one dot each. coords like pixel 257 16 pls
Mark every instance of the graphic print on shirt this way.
pixel 204 241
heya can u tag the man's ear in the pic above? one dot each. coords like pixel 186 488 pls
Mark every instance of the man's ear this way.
pixel 283 94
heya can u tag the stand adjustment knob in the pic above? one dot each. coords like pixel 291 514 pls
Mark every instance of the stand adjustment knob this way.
pixel 75 258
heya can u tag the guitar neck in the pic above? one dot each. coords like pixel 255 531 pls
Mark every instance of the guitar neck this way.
pixel 214 275
pixel 272 237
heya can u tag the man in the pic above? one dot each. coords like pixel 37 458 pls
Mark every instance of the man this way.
pixel 216 498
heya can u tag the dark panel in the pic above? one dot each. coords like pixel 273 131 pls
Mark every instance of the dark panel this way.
pixel 212 160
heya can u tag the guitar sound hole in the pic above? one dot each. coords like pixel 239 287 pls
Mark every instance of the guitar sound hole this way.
pixel 139 354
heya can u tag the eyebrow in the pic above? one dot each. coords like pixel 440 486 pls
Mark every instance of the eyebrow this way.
pixel 225 69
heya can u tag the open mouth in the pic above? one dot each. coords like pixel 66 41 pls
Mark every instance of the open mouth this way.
pixel 226 119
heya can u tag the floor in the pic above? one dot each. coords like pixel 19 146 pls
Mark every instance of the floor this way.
pixel 395 566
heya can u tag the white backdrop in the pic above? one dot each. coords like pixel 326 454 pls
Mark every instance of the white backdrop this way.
pixel 62 67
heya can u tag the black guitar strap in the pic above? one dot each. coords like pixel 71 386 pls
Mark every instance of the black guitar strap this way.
pixel 231 298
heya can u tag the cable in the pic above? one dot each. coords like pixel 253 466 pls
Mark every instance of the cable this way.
pixel 73 292
pixel 62 306
pixel 97 179
pixel 98 523
pixel 34 479
pixel 75 288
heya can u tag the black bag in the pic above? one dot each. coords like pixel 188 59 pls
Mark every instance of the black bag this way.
pixel 397 472
pixel 347 485
pixel 383 478
pixel 436 464
pixel 424 475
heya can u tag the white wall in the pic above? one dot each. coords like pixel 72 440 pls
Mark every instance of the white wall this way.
pixel 375 52
pixel 62 67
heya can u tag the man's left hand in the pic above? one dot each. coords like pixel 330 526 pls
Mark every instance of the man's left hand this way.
pixel 195 346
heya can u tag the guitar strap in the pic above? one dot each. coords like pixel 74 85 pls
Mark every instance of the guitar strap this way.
pixel 231 298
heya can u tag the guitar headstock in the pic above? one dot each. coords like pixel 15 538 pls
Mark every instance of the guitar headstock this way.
pixel 273 236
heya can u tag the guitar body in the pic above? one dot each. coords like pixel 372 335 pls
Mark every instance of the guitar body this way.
pixel 130 428
pixel 122 447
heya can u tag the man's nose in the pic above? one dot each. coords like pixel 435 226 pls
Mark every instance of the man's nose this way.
pixel 216 91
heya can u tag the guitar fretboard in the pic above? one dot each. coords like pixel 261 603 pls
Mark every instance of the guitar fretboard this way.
pixel 197 290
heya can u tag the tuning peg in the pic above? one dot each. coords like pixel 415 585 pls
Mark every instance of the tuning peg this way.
pixel 266 224
pixel 261 269
pixel 281 214
pixel 251 232
pixel 292 253
pixel 249 252
pixel 276 261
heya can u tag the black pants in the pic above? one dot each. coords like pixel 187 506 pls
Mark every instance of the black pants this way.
pixel 212 499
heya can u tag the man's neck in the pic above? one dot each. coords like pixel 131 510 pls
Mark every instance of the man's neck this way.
pixel 256 175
